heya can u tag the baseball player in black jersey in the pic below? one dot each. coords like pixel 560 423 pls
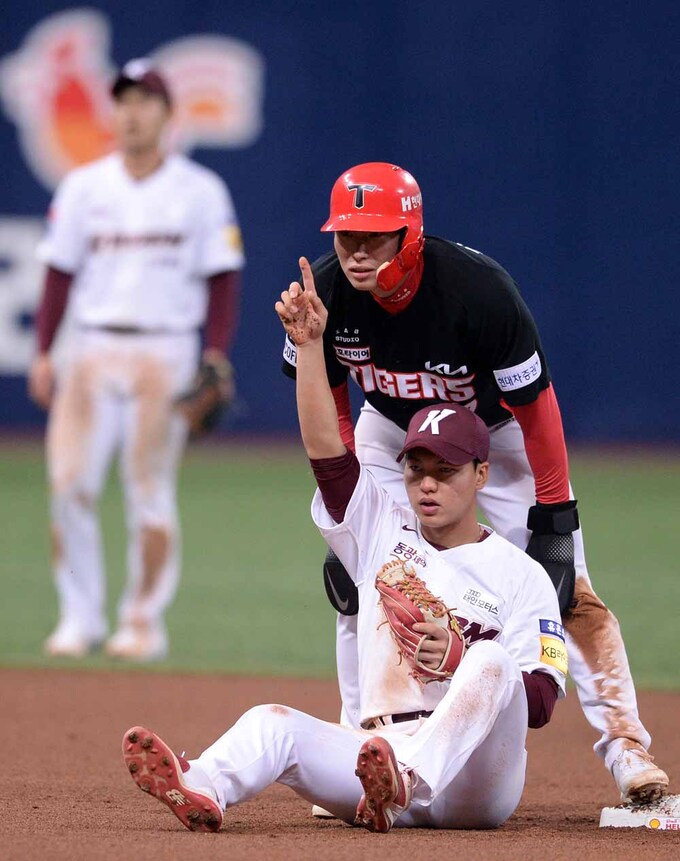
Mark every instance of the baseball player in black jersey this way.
pixel 417 320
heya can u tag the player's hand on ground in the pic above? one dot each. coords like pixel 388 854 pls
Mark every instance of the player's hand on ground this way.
pixel 41 380
pixel 301 312
pixel 434 648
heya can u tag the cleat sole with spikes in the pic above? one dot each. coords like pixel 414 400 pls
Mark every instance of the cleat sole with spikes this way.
pixel 157 771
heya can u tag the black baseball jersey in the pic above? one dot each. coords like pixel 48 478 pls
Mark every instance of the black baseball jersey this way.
pixel 466 337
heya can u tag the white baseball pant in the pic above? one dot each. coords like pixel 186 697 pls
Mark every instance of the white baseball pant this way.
pixel 597 656
pixel 468 756
pixel 115 394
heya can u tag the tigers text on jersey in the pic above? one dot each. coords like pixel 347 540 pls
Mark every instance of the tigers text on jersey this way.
pixel 467 337
pixel 497 593
pixel 142 249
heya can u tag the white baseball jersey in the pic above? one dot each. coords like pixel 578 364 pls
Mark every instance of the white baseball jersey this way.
pixel 142 249
pixel 496 590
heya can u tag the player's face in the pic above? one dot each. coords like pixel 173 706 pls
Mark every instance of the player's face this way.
pixel 360 255
pixel 139 120
pixel 442 495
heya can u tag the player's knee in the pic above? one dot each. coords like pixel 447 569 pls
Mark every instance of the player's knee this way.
pixel 72 497
pixel 585 599
pixel 266 720
pixel 268 710
pixel 151 504
pixel 490 657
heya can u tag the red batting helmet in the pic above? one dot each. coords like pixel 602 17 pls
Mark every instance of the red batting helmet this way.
pixel 376 197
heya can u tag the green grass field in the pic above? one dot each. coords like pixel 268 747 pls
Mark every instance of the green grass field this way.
pixel 251 598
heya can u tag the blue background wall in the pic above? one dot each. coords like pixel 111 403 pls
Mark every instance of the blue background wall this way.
pixel 543 133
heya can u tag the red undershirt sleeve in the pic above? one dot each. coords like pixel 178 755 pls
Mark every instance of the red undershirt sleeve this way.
pixel 344 410
pixel 336 478
pixel 542 691
pixel 222 315
pixel 541 425
pixel 52 306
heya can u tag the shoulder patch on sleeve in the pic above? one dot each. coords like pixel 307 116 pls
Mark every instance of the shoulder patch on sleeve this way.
pixel 520 375
pixel 233 238
pixel 554 653
pixel 552 629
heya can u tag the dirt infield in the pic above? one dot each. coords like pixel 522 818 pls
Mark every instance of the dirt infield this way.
pixel 66 795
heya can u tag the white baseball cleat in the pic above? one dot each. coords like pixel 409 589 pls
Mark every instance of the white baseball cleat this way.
pixel 138 642
pixel 156 769
pixel 637 778
pixel 69 640
pixel 387 790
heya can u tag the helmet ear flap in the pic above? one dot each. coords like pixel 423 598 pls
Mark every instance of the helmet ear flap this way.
pixel 391 274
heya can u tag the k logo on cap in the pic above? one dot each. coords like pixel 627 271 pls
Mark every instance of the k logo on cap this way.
pixel 457 436
pixel 433 419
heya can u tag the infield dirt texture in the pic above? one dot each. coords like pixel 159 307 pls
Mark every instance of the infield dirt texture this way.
pixel 251 603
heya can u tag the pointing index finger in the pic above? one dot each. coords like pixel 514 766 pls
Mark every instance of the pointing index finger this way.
pixel 307 276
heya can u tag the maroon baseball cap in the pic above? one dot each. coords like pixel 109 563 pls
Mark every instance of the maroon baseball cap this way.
pixel 452 432
pixel 141 73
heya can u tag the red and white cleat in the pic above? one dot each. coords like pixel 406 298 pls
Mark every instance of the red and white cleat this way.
pixel 387 790
pixel 157 770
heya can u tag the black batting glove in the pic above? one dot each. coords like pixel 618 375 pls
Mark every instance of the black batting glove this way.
pixel 552 545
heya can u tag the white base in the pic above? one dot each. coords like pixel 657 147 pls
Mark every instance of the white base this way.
pixel 663 815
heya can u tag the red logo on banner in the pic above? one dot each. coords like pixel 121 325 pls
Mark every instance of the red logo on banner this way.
pixel 55 88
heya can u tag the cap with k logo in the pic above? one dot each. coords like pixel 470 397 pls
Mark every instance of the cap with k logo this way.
pixel 455 434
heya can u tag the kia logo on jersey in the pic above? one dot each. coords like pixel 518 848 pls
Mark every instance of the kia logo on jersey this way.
pixel 55 88
pixel 359 188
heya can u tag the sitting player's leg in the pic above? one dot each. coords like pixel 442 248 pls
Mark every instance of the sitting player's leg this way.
pixel 268 744
pixel 469 755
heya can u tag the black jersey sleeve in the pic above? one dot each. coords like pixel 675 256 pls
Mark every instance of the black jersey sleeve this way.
pixel 325 270
pixel 506 340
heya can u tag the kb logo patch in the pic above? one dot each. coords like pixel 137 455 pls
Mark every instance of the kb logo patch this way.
pixel 554 653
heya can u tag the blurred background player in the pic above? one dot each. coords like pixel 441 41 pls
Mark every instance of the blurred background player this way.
pixel 145 249
pixel 415 320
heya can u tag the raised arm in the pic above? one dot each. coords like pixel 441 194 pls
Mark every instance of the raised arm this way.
pixel 304 316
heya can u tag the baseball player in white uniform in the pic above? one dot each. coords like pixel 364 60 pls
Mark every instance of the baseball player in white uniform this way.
pixel 447 753
pixel 145 248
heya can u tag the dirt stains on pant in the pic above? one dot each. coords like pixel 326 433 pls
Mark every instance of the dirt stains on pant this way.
pixel 70 426
pixel 155 546
pixel 595 631
pixel 148 450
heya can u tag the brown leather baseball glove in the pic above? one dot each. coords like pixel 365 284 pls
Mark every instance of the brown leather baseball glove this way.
pixel 406 600
pixel 211 394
